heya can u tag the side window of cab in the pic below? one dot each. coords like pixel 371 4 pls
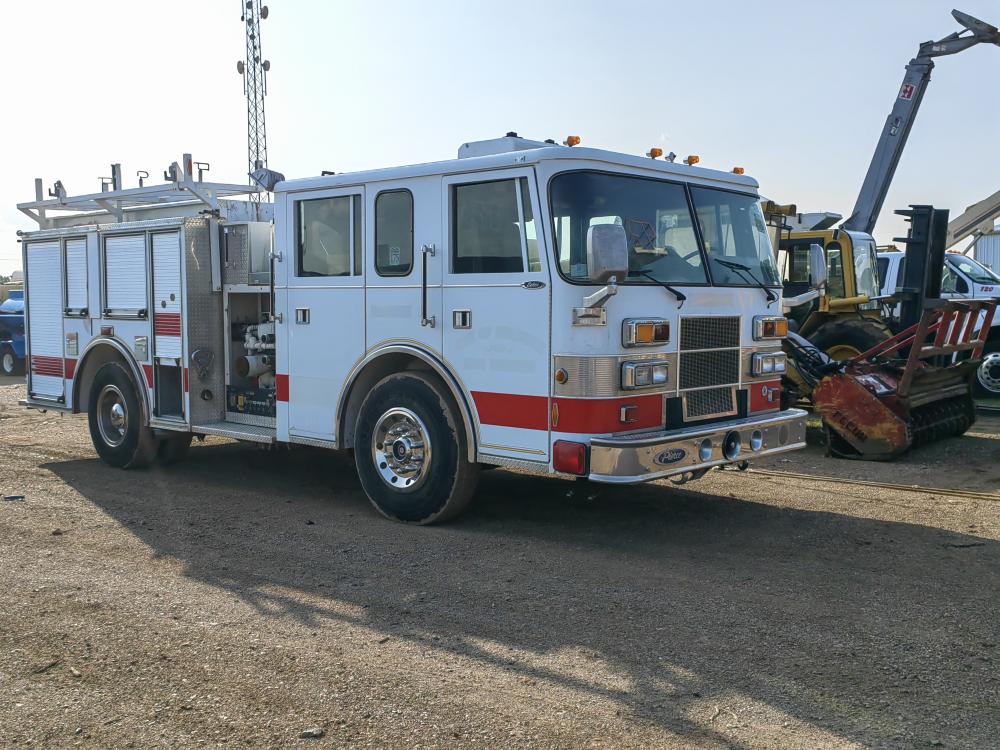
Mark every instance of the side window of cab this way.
pixel 952 283
pixel 493 228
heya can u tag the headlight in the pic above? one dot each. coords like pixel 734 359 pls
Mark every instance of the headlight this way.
pixel 767 363
pixel 644 374
pixel 769 327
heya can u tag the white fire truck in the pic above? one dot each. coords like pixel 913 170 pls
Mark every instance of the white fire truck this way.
pixel 560 310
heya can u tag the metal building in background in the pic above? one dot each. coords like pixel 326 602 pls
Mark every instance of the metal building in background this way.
pixel 987 249
pixel 254 70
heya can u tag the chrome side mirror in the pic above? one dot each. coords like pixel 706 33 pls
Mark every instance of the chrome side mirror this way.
pixel 818 274
pixel 607 253
pixel 607 263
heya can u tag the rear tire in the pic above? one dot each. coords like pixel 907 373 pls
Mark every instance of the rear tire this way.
pixel 10 365
pixel 116 420
pixel 987 380
pixel 410 450
pixel 174 448
pixel 848 337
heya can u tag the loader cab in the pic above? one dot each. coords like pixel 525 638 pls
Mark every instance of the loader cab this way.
pixel 852 274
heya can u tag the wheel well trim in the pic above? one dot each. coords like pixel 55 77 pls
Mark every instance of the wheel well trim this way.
pixel 130 361
pixel 458 391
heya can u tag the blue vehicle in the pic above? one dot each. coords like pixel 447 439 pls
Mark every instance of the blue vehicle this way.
pixel 12 334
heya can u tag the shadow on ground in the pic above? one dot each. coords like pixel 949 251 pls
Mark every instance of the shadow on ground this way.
pixel 882 633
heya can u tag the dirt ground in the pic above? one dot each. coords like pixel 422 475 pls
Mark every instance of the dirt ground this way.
pixel 243 597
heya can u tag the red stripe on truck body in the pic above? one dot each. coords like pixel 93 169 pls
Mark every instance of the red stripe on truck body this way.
pixel 593 416
pixel 512 410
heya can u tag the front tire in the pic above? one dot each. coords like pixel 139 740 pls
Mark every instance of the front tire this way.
pixel 986 382
pixel 409 447
pixel 988 374
pixel 846 338
pixel 116 425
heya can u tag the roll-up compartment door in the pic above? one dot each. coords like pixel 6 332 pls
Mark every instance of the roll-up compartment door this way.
pixel 45 319
pixel 167 295
pixel 125 275
pixel 76 277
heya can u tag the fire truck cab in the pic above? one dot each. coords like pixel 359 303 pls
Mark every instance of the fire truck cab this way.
pixel 557 310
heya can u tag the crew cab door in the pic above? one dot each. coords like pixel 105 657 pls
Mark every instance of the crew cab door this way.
pixel 404 269
pixel 323 300
pixel 496 308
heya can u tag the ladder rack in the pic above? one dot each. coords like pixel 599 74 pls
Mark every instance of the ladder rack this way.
pixel 182 190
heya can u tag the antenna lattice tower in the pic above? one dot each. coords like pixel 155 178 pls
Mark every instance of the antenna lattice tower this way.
pixel 254 72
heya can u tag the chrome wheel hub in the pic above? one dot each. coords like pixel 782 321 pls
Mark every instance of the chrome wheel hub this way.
pixel 8 362
pixel 401 449
pixel 988 373
pixel 112 415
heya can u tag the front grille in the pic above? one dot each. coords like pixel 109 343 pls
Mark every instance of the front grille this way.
pixel 712 367
pixel 709 356
pixel 709 333
pixel 710 402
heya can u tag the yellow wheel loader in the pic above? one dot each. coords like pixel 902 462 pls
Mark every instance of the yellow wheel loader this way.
pixel 878 399
pixel 846 319
pixel 841 317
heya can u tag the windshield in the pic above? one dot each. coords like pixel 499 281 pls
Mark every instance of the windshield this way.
pixel 974 270
pixel 736 239
pixel 655 215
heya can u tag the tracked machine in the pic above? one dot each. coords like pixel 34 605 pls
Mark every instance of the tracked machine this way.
pixel 916 386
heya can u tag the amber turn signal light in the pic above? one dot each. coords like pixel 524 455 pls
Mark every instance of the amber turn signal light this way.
pixel 645 332
pixel 651 333
pixel 766 327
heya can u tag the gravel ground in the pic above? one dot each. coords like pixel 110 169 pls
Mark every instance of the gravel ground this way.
pixel 242 597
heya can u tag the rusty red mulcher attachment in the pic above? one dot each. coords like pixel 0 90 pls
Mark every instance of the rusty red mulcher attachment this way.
pixel 907 390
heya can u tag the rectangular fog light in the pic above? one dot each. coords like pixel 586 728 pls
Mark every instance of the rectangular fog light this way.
pixel 767 363
pixel 644 374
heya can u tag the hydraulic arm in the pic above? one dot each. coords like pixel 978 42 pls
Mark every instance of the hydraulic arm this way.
pixel 897 126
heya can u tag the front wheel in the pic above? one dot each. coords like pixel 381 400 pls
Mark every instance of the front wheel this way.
pixel 116 425
pixel 847 337
pixel 409 447
pixel 988 375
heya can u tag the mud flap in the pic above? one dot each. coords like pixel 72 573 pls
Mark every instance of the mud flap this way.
pixel 859 419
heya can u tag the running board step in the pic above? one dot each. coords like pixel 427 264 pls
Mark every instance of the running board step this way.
pixel 249 432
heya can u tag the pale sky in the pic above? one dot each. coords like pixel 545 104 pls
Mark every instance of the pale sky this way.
pixel 795 92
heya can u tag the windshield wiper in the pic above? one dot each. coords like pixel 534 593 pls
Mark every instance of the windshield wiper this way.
pixel 747 273
pixel 679 295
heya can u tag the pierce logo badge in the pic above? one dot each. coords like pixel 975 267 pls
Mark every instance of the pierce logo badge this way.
pixel 670 456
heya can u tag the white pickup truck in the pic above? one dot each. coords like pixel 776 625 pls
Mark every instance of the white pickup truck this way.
pixel 963 278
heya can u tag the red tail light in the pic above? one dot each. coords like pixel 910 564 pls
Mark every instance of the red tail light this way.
pixel 569 457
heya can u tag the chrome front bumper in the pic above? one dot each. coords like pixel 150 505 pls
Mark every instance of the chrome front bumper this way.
pixel 640 458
